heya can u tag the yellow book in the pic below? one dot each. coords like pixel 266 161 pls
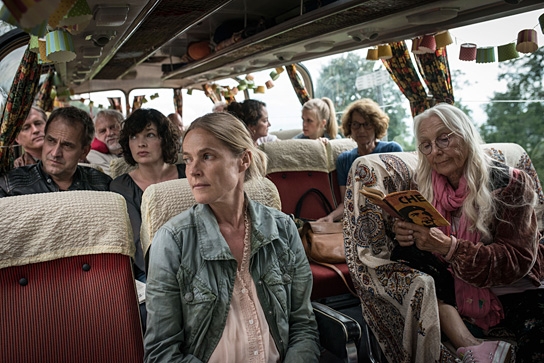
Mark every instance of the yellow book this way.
pixel 408 205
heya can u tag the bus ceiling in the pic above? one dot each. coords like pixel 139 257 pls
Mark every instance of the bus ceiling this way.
pixel 186 43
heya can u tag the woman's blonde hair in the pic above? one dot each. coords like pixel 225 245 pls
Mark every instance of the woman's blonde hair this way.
pixel 235 136
pixel 479 206
pixel 323 109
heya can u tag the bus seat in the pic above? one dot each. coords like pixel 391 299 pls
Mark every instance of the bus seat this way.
pixel 286 134
pixel 66 280
pixel 335 148
pixel 162 201
pixel 295 166
pixel 387 289
pixel 119 166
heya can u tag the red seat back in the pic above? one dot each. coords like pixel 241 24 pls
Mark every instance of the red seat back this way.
pixel 67 290
pixel 74 309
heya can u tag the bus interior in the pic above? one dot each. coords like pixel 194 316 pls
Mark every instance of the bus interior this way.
pixel 192 46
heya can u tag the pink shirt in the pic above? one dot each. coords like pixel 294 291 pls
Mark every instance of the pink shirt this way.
pixel 246 337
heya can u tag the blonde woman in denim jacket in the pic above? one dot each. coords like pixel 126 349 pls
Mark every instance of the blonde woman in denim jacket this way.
pixel 228 280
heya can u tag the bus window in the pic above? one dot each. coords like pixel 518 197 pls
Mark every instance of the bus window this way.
pixel 95 101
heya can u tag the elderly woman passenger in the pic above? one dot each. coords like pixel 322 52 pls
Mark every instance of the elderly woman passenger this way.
pixel 366 123
pixel 228 279
pixel 492 245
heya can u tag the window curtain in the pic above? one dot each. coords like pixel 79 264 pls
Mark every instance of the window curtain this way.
pixel 138 102
pixel 178 100
pixel 44 100
pixel 298 86
pixel 435 69
pixel 403 72
pixel 115 103
pixel 18 104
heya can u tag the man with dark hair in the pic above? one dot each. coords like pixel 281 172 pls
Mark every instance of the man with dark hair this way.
pixel 105 146
pixel 68 135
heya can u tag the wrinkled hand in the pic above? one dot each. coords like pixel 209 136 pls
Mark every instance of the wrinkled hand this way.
pixel 426 239
pixel 328 219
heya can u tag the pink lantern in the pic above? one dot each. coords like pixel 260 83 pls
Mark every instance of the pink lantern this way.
pixel 428 44
pixel 467 52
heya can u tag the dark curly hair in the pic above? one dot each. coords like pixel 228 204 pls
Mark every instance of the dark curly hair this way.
pixel 166 130
pixel 249 111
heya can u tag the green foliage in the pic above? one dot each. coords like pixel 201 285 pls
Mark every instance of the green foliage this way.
pixel 337 82
pixel 510 120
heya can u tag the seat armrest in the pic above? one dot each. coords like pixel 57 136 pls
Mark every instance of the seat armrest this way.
pixel 338 333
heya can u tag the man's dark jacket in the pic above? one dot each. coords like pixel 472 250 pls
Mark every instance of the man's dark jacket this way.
pixel 32 179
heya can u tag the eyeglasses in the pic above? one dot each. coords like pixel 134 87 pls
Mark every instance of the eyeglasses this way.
pixel 366 125
pixel 441 142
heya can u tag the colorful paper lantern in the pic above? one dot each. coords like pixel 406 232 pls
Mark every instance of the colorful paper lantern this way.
pixel 33 45
pixel 59 13
pixel 274 75
pixel 527 41
pixel 485 55
pixel 384 51
pixel 415 46
pixel 60 47
pixel 372 54
pixel 279 70
pixel 43 51
pixel 467 52
pixel 428 44
pixel 79 14
pixel 30 13
pixel 507 52
pixel 259 89
pixel 269 84
pixel 443 39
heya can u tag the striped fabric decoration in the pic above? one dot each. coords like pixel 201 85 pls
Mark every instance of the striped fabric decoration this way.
pixel 60 47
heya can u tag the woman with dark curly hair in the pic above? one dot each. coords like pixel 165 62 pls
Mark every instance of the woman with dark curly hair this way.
pixel 254 115
pixel 150 141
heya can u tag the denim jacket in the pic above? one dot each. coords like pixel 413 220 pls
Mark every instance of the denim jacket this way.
pixel 191 278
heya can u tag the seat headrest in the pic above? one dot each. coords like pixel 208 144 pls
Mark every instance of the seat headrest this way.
pixel 43 227
pixel 162 201
pixel 119 166
pixel 296 155
pixel 337 146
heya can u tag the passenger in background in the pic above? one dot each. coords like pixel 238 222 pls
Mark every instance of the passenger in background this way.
pixel 254 115
pixel 105 146
pixel 318 120
pixel 31 137
pixel 151 141
pixel 366 123
pixel 228 278
pixel 68 135
pixel 178 121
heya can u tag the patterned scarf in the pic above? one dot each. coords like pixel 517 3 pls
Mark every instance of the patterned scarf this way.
pixel 479 304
